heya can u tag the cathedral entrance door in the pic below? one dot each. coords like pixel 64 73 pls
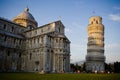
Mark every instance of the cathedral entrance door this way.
pixel 36 65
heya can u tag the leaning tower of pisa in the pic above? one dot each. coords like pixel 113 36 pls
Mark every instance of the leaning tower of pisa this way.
pixel 95 47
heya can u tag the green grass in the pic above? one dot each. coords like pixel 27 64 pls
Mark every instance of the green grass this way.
pixel 36 76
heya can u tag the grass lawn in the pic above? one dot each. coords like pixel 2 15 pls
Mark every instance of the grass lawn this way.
pixel 36 76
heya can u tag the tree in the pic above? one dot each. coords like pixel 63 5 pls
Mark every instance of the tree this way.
pixel 117 67
pixel 108 67
pixel 83 67
pixel 75 67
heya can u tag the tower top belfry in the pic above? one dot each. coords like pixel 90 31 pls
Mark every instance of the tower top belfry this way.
pixel 95 20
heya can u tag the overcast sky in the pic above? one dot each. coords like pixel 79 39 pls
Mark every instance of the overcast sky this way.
pixel 75 15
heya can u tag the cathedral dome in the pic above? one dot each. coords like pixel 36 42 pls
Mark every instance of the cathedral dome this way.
pixel 26 16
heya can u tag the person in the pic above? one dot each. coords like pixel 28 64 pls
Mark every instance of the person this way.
pixel 95 71
pixel 108 72
pixel 78 71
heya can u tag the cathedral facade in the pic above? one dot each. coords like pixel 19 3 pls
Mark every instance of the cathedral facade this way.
pixel 95 58
pixel 26 47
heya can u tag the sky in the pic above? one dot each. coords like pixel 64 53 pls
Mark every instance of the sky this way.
pixel 75 15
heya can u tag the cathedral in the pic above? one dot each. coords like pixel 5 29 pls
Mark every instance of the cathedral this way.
pixel 27 47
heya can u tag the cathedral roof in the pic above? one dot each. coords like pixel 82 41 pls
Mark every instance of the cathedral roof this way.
pixel 25 15
pixel 11 34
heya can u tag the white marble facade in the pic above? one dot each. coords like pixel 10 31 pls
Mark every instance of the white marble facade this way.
pixel 95 58
pixel 26 47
